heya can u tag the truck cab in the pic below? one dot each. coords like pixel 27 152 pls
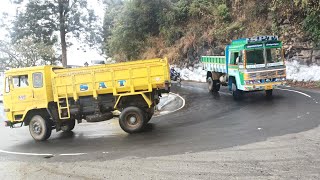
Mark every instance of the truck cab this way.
pixel 26 89
pixel 249 64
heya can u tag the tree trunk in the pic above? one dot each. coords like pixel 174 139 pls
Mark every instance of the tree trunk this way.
pixel 63 32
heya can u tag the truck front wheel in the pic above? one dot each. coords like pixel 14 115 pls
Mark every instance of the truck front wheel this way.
pixel 40 128
pixel 269 93
pixel 132 120
pixel 236 93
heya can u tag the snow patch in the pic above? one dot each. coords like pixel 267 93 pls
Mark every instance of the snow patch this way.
pixel 195 73
pixel 165 100
pixel 298 72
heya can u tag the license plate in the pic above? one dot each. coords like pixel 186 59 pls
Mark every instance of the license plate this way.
pixel 268 87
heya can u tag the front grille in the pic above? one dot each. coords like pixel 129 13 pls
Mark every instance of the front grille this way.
pixel 263 75
pixel 252 75
pixel 272 73
pixel 281 72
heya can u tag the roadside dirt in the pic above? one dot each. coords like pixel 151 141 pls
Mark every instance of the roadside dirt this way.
pixel 309 85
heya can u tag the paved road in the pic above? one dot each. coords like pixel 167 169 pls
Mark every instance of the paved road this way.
pixel 207 122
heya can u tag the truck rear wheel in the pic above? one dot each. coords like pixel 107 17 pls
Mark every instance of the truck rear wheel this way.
pixel 40 128
pixel 213 85
pixel 68 126
pixel 209 82
pixel 132 120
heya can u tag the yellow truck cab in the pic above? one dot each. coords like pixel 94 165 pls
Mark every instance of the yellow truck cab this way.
pixel 50 97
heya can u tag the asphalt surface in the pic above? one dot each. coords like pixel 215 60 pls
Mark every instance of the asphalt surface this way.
pixel 207 122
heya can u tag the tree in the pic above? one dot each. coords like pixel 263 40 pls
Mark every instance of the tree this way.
pixel 137 20
pixel 112 11
pixel 26 53
pixel 43 18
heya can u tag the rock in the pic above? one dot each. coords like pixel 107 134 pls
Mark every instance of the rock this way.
pixel 286 21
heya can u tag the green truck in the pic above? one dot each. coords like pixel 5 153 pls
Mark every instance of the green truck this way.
pixel 249 64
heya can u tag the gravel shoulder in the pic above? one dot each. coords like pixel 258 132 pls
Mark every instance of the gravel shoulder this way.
pixel 293 156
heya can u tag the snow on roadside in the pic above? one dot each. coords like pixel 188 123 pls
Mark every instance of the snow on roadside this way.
pixel 298 72
pixel 295 72
pixel 193 73
pixel 165 100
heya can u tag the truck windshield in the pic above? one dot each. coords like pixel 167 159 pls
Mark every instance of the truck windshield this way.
pixel 255 57
pixel 274 55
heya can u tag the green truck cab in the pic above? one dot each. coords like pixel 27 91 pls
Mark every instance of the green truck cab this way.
pixel 249 64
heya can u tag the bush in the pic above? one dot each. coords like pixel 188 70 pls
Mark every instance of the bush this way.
pixel 312 25
pixel 223 12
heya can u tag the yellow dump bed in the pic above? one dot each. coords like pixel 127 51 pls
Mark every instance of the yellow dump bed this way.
pixel 120 78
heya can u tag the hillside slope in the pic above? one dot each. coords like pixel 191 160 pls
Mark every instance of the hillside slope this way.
pixel 184 30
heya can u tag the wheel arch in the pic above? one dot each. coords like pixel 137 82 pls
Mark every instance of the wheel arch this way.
pixel 231 79
pixel 43 112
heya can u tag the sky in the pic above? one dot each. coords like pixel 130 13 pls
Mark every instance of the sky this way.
pixel 76 54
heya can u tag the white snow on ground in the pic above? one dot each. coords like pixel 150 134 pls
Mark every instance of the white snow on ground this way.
pixel 165 100
pixel 193 73
pixel 295 71
pixel 298 72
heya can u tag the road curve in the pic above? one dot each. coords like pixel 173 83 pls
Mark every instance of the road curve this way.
pixel 207 122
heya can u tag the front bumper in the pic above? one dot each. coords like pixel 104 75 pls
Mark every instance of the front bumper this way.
pixel 261 87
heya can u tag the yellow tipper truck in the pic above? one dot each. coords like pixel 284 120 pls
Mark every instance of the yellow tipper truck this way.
pixel 48 97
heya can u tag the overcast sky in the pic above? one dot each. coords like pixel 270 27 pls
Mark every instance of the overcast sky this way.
pixel 76 56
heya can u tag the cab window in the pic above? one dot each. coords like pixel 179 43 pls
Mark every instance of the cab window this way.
pixel 37 80
pixel 20 81
pixel 235 58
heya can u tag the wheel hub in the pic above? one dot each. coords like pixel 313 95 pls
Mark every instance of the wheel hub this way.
pixel 36 128
pixel 132 120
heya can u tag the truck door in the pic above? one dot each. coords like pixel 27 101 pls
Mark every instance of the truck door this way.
pixel 21 95
pixel 7 97
pixel 39 91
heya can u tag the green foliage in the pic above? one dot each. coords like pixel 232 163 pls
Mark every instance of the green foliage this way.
pixel 200 8
pixel 312 25
pixel 311 22
pixel 137 20
pixel 25 53
pixel 223 12
pixel 45 21
pixel 187 26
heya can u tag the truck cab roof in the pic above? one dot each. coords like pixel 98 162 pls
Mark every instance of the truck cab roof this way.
pixel 33 68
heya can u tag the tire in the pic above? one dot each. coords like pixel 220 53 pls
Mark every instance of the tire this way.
pixel 149 113
pixel 68 126
pixel 215 86
pixel 40 128
pixel 236 93
pixel 269 93
pixel 148 117
pixel 210 84
pixel 132 120
pixel 179 80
